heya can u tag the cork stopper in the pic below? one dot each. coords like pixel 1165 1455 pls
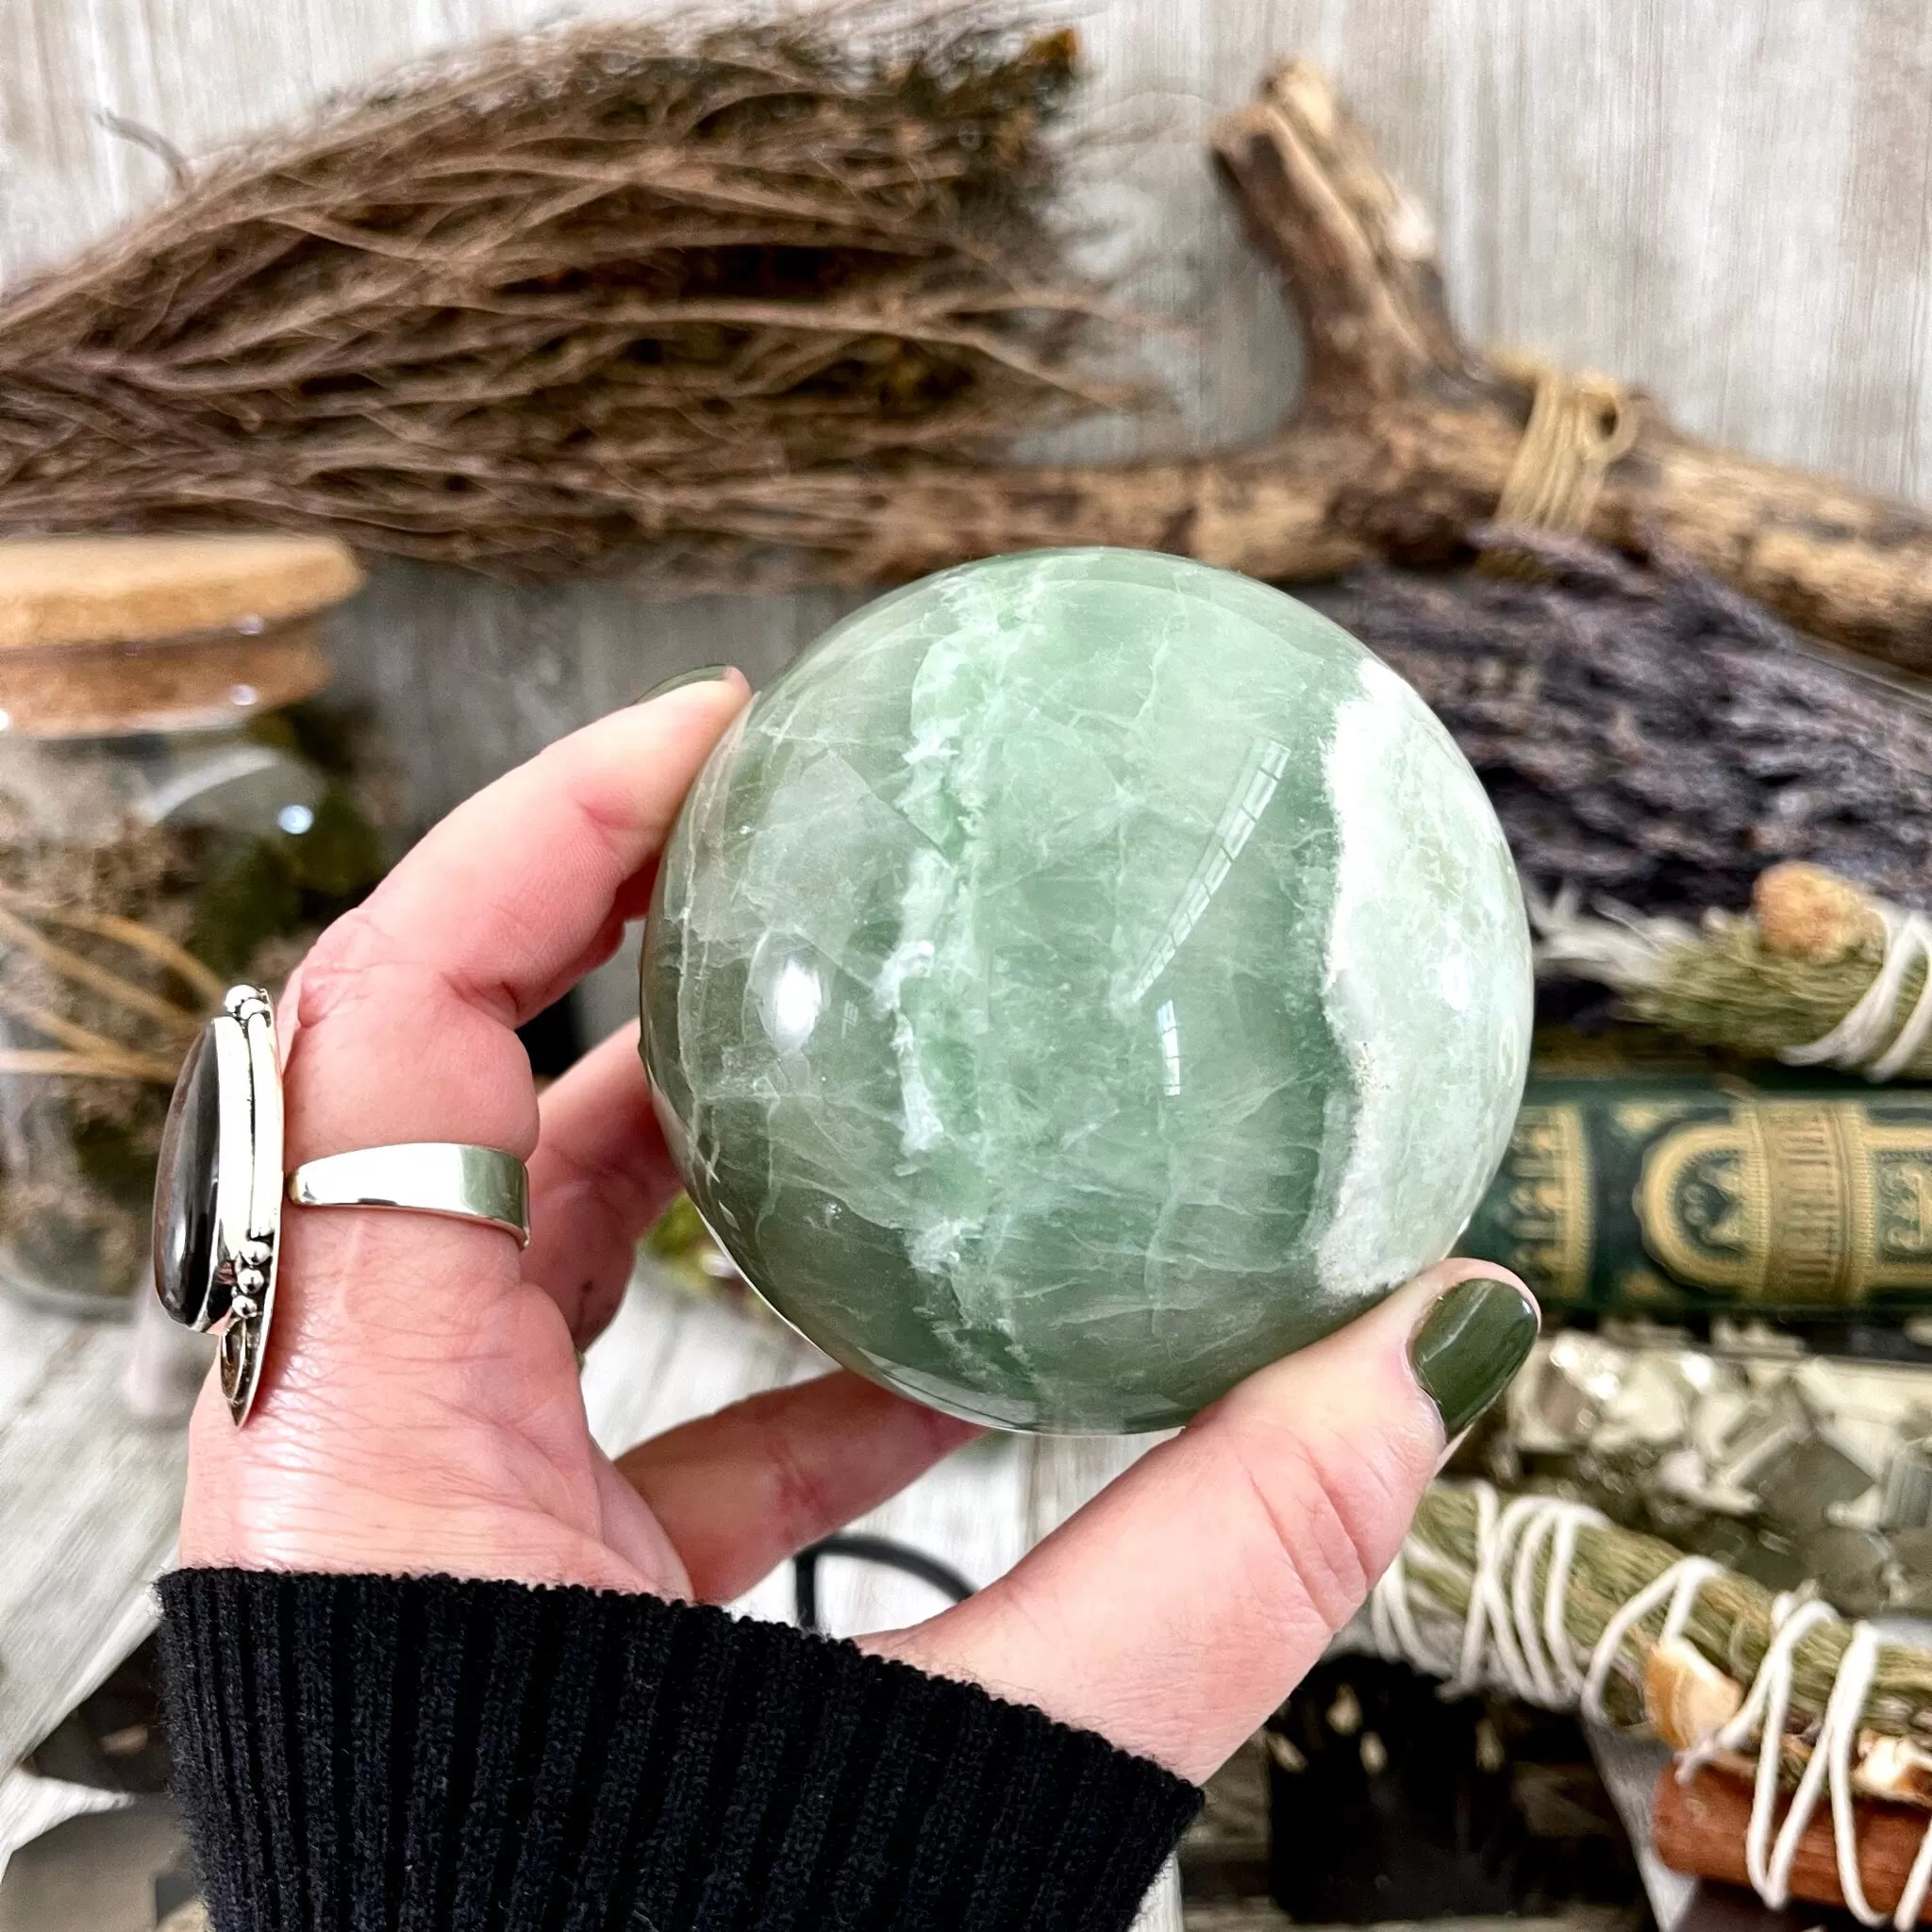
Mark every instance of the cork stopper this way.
pixel 103 635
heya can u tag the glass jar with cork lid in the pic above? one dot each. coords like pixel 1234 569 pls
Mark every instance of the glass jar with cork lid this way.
pixel 176 813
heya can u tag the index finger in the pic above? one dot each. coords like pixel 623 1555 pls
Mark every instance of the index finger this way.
pixel 400 1024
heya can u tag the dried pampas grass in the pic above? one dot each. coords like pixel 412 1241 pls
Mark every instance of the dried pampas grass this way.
pixel 587 292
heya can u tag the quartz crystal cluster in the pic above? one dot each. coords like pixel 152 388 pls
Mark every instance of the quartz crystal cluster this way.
pixel 1080 980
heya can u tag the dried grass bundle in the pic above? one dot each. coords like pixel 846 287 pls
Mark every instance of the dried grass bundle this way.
pixel 590 290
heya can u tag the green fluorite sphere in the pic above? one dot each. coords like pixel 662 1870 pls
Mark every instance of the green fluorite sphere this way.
pixel 1080 980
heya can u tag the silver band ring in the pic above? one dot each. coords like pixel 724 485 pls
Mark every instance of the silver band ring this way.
pixel 220 1188
pixel 445 1177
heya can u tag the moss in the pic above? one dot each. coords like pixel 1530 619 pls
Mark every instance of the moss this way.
pixel 340 855
pixel 334 738
pixel 286 883
pixel 117 1160
pixel 247 901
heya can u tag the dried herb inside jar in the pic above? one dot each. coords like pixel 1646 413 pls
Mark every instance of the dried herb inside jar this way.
pixel 139 877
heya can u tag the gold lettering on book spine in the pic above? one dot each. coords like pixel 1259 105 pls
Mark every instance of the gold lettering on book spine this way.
pixel 1793 1203
pixel 1549 1184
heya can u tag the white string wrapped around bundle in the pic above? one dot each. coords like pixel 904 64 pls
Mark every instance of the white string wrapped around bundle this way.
pixel 1515 1638
pixel 1871 1037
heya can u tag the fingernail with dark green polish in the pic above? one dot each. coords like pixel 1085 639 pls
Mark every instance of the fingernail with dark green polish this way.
pixel 705 673
pixel 1468 1346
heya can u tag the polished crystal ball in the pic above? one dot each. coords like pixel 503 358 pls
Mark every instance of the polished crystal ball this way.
pixel 1080 980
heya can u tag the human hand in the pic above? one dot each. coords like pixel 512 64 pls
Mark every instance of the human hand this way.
pixel 420 1409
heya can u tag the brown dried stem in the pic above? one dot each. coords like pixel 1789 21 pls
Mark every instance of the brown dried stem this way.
pixel 87 1054
pixel 1700 1828
pixel 17 932
pixel 130 932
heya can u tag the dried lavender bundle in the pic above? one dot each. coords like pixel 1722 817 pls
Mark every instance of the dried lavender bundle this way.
pixel 1649 735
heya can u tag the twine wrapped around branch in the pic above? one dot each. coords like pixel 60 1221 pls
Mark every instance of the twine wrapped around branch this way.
pixel 1579 427
pixel 1544 1598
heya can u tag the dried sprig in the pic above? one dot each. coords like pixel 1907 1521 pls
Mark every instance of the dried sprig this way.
pixel 583 291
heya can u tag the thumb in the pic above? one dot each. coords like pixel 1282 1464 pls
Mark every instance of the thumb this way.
pixel 1176 1609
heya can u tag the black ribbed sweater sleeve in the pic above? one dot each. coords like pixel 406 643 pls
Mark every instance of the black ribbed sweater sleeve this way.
pixel 421 1754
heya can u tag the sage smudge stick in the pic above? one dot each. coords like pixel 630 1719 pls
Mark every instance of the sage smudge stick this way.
pixel 1817 972
pixel 1685 1687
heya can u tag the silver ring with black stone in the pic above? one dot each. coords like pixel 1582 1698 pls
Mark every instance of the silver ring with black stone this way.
pixel 220 1188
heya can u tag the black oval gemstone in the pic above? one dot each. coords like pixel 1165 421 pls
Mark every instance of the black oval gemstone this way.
pixel 185 1185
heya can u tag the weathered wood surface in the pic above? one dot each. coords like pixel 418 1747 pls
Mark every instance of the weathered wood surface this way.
pixel 89 1500
pixel 30 1806
pixel 471 677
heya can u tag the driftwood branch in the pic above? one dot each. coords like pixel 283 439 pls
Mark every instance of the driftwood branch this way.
pixel 1403 443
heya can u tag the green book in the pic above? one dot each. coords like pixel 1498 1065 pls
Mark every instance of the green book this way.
pixel 1645 1192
